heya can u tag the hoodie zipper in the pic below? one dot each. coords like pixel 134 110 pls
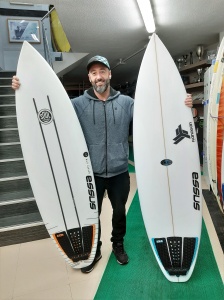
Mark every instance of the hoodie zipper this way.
pixel 104 103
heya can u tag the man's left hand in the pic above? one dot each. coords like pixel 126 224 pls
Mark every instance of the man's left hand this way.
pixel 188 101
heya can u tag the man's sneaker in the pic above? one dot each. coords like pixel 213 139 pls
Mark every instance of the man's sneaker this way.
pixel 119 252
pixel 89 268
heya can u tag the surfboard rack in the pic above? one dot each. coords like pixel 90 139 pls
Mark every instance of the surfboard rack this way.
pixel 75 243
pixel 176 253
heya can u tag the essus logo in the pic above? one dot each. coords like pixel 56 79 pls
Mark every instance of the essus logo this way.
pixel 196 191
pixel 92 201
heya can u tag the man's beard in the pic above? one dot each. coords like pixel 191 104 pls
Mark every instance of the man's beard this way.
pixel 102 88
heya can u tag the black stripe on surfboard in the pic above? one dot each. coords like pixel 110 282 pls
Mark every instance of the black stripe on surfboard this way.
pixel 66 170
pixel 63 158
pixel 52 171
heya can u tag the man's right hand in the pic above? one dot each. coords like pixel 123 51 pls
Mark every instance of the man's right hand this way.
pixel 15 83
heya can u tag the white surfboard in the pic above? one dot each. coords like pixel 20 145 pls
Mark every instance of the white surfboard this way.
pixel 212 126
pixel 207 86
pixel 57 159
pixel 167 164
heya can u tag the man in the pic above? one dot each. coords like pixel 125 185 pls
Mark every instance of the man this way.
pixel 105 116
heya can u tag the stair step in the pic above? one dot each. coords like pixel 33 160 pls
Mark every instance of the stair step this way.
pixel 5 179
pixel 20 210
pixel 6 90
pixel 8 144
pixel 9 136
pixel 8 129
pixel 12 168
pixel 5 81
pixel 17 188
pixel 21 226
pixel 13 159
pixel 15 201
pixel 10 151
pixel 20 219
pixel 7 99
pixel 23 234
pixel 7 105
pixel 9 122
pixel 7 110
pixel 7 74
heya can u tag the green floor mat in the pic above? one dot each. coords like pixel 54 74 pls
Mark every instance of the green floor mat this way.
pixel 142 279
pixel 131 169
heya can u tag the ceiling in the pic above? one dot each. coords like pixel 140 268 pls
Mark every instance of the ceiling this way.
pixel 115 29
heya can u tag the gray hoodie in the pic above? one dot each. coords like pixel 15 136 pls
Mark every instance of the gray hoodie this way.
pixel 105 125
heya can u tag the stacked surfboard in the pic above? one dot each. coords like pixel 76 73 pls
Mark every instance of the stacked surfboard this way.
pixel 167 164
pixel 207 86
pixel 215 127
pixel 57 159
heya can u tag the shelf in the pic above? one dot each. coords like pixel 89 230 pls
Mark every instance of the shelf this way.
pixel 194 85
pixel 189 68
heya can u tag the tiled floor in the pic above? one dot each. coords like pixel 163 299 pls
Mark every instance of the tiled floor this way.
pixel 36 271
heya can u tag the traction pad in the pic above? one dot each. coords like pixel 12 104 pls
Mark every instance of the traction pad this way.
pixel 76 243
pixel 175 257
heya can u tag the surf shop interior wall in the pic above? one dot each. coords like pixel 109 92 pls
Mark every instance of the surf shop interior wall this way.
pixel 12 33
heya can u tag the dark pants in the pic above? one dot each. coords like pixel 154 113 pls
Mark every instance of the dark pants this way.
pixel 118 188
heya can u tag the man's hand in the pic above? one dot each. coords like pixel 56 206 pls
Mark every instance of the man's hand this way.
pixel 188 101
pixel 15 83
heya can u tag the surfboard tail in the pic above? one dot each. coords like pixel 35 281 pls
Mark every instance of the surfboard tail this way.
pixel 76 243
pixel 176 254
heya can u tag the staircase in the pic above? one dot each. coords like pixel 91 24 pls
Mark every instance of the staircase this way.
pixel 20 220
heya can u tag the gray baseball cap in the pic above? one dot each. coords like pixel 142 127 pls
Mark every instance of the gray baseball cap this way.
pixel 98 59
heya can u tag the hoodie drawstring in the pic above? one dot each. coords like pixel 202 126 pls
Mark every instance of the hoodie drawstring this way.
pixel 94 120
pixel 113 110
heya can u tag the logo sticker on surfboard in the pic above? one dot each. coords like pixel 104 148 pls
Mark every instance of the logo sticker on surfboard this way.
pixel 45 116
pixel 180 135
pixel 166 162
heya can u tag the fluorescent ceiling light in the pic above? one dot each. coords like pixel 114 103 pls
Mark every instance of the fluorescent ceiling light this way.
pixel 146 11
pixel 21 3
